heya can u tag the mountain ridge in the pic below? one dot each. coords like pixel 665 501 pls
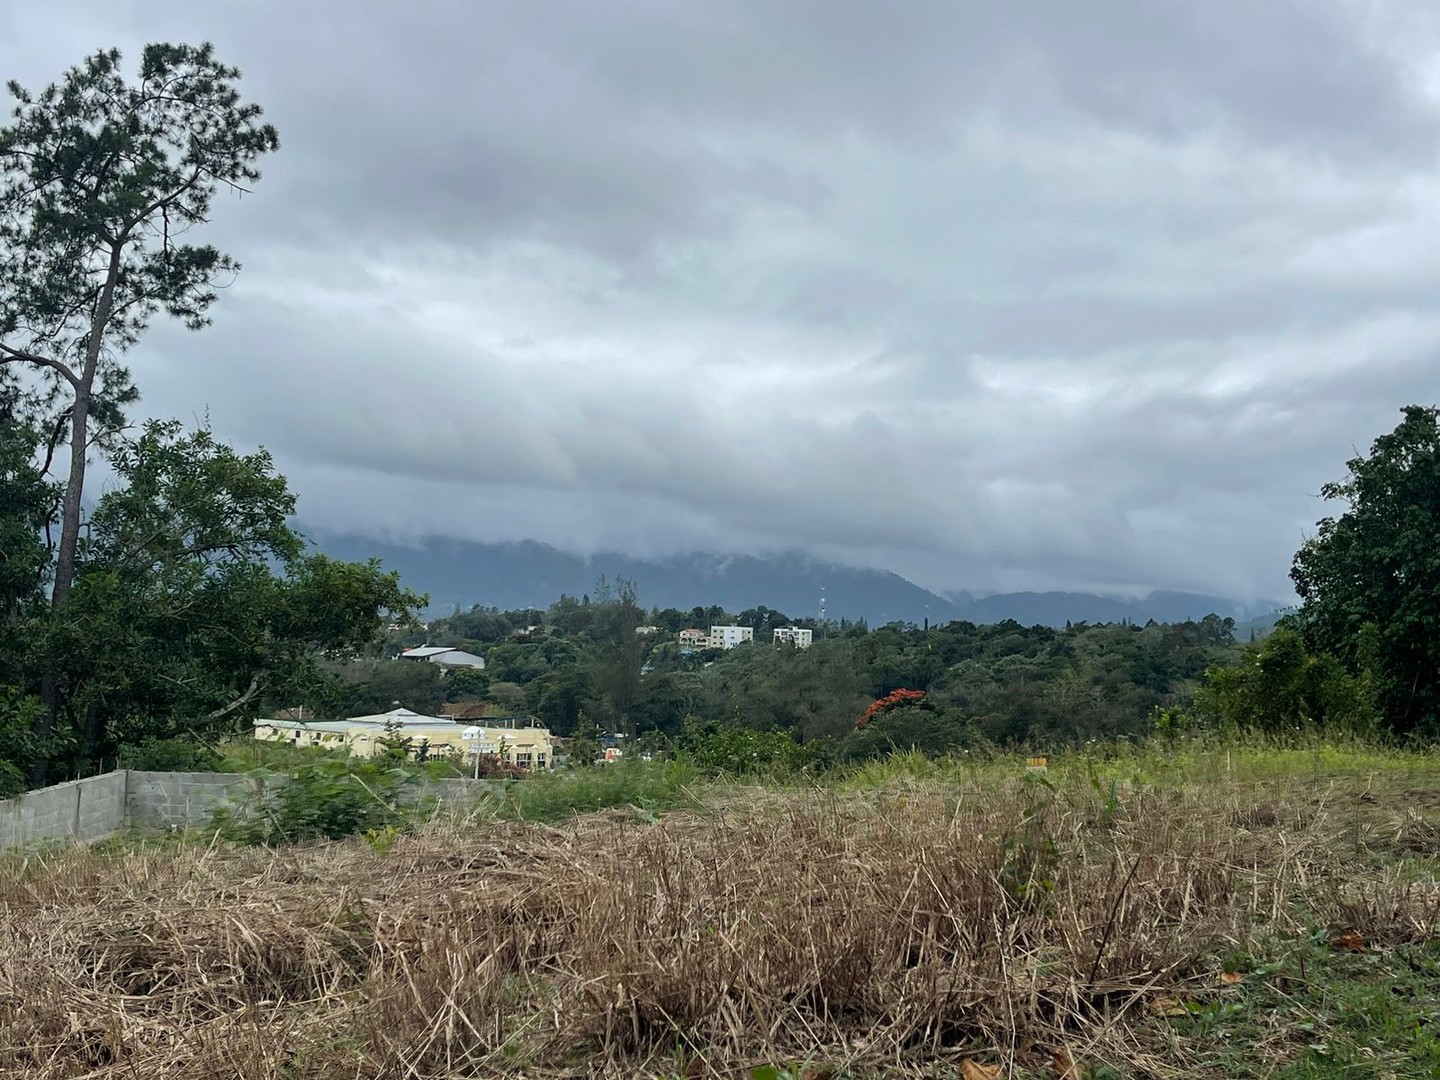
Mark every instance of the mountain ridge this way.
pixel 532 574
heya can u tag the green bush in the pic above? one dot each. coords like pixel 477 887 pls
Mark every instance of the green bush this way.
pixel 326 801
pixel 924 728
pixel 247 755
pixel 170 755
pixel 12 780
pixel 737 751
pixel 465 683
pixel 1281 686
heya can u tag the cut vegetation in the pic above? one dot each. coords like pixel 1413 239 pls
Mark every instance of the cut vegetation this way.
pixel 1202 912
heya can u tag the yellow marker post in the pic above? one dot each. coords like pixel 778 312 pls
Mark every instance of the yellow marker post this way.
pixel 1037 764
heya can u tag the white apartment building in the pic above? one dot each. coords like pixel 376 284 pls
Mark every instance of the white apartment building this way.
pixel 793 635
pixel 727 637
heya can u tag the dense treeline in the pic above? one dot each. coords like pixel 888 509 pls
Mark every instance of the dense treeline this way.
pixel 582 667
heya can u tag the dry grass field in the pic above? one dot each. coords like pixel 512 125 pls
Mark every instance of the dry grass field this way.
pixel 1168 917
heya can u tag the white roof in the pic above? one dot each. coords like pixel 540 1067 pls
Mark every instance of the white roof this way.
pixel 397 716
pixel 451 657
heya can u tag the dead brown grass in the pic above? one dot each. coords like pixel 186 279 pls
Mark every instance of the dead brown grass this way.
pixel 892 933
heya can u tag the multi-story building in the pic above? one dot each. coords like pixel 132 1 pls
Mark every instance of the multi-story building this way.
pixel 793 635
pixel 727 637
pixel 694 639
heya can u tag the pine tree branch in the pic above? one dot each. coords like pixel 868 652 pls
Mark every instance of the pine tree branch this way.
pixel 20 356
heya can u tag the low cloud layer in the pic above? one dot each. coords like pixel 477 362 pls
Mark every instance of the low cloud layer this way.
pixel 996 296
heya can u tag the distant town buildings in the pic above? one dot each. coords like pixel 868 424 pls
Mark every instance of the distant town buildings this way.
pixel 727 637
pixel 508 738
pixel 646 631
pixel 793 635
pixel 445 657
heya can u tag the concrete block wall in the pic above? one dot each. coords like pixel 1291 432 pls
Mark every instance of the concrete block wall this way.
pixel 129 798
pixel 102 805
pixel 79 810
pixel 158 800
pixel 458 791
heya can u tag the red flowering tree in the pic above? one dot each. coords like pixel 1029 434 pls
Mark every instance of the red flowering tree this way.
pixel 892 700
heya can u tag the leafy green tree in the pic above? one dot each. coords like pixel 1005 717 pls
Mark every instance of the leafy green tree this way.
pixel 101 179
pixel 570 617
pixel 1280 685
pixel 1378 564
pixel 670 620
pixel 195 601
pixel 763 620
pixel 512 661
pixel 615 668
pixel 925 728
pixel 412 684
pixel 26 505
pixel 465 682
pixel 558 698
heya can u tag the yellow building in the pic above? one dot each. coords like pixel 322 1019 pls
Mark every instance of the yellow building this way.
pixel 515 744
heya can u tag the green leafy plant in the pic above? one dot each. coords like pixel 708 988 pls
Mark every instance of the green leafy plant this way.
pixel 738 751
pixel 12 780
pixel 1030 858
pixel 327 801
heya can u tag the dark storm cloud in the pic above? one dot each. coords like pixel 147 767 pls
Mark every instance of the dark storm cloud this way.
pixel 1026 294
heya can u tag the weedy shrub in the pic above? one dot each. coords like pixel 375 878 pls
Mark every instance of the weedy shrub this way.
pixel 328 800
pixel 1029 855
pixel 741 751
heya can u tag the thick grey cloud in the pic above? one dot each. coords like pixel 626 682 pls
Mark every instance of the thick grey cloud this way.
pixel 1033 294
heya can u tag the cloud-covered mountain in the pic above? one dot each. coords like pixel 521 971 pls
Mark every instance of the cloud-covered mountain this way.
pixel 1026 295
pixel 1057 608
pixel 531 574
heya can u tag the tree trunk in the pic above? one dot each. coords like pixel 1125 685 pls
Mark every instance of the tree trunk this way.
pixel 70 509
pixel 74 491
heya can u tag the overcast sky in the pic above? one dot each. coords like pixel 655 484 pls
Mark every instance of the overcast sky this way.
pixel 995 295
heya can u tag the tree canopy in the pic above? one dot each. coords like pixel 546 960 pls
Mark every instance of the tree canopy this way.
pixel 187 600
pixel 195 604
pixel 1369 579
pixel 101 181
pixel 581 667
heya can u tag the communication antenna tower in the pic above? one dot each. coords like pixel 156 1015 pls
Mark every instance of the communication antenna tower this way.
pixel 822 609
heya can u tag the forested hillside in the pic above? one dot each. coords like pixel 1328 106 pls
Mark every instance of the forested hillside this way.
pixel 581 667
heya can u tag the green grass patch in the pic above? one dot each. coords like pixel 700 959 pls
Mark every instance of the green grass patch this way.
pixel 651 787
pixel 1312 1012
